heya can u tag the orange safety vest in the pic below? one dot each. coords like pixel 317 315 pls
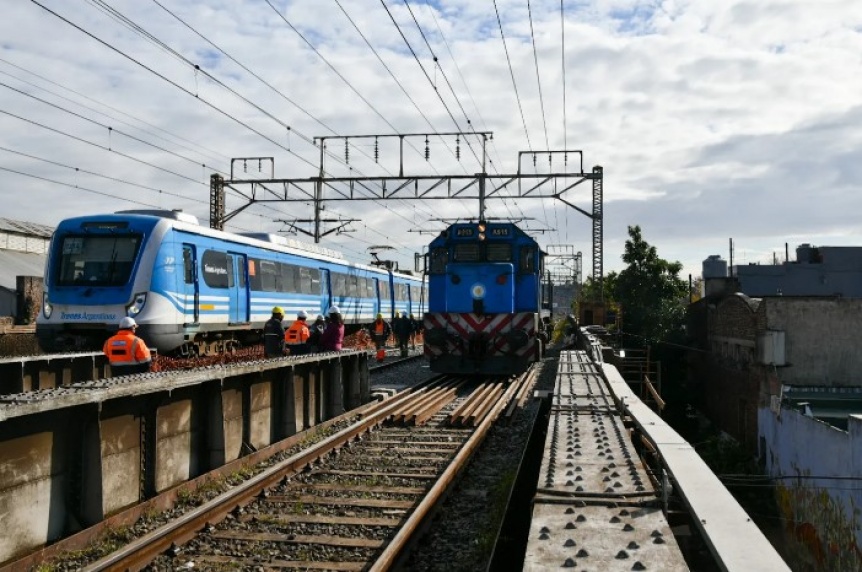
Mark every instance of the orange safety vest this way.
pixel 297 333
pixel 126 348
pixel 379 327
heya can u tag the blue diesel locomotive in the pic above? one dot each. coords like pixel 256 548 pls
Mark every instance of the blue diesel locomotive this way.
pixel 485 300
pixel 194 290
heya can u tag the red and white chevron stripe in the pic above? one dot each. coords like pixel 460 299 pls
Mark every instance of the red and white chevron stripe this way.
pixel 493 327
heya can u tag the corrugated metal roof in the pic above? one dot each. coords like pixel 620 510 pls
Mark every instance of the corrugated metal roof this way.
pixel 14 264
pixel 28 228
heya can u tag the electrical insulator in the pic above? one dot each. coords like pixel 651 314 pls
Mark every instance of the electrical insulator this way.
pixel 534 159
pixel 565 159
pixel 346 151
pixel 458 147
pixel 259 166
pixel 245 167
pixel 376 150
pixel 427 149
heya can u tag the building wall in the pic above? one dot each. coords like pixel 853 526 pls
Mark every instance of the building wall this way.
pixel 822 514
pixel 822 339
pixel 732 389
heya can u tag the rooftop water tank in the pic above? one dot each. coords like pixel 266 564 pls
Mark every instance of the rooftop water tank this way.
pixel 714 267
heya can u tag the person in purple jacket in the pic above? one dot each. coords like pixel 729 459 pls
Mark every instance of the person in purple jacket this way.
pixel 333 335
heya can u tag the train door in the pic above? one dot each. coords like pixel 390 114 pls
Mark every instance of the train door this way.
pixel 190 288
pixel 237 269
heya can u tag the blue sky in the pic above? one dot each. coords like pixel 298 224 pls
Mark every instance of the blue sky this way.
pixel 712 120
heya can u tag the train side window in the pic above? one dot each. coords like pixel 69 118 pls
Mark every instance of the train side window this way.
pixel 527 262
pixel 215 268
pixel 188 265
pixel 229 265
pixel 309 280
pixel 468 252
pixel 288 278
pixel 353 286
pixel 339 284
pixel 439 259
pixel 384 289
pixel 268 273
pixel 253 274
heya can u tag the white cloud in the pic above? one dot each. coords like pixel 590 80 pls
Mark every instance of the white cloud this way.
pixel 711 119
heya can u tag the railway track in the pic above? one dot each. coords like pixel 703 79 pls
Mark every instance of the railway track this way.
pixel 353 501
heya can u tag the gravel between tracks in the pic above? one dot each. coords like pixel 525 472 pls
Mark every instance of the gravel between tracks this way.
pixel 461 536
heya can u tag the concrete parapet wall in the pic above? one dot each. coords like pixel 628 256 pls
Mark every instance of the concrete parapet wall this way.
pixel 69 460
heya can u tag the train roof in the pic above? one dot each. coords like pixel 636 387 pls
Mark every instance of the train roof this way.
pixel 458 231
pixel 189 223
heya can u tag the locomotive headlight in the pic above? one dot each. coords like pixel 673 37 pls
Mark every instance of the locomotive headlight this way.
pixel 47 308
pixel 135 307
pixel 478 291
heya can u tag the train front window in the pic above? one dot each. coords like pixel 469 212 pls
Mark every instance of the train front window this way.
pixel 498 252
pixel 468 252
pixel 97 260
pixel 439 258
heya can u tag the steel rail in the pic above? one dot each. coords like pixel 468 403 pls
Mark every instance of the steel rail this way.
pixel 396 546
pixel 143 550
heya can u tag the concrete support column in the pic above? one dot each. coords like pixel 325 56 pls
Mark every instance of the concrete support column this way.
pixel 334 389
pixel 294 419
pixel 364 380
pixel 260 414
pixel 353 380
pixel 118 467
pixel 175 460
pixel 311 380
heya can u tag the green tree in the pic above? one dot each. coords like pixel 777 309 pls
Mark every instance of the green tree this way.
pixel 651 294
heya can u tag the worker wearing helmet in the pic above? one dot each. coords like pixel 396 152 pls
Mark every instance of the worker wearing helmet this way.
pixel 296 336
pixel 273 334
pixel 380 331
pixel 333 336
pixel 316 329
pixel 127 353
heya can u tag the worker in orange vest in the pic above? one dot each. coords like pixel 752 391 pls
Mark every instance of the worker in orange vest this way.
pixel 127 353
pixel 380 331
pixel 296 336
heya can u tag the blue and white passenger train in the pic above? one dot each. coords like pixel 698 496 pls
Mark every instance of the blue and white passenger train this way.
pixel 194 290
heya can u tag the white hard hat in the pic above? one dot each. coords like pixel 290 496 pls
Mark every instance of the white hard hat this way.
pixel 301 315
pixel 334 310
pixel 320 316
pixel 127 323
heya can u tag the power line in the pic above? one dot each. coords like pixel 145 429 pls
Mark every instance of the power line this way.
pixel 104 148
pixel 88 98
pixel 110 129
pixel 173 83
pixel 538 78
pixel 512 73
pixel 95 174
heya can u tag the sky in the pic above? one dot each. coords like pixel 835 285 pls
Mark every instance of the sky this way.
pixel 712 120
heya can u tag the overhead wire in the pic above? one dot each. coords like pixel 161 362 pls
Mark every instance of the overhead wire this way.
pixel 266 83
pixel 512 74
pixel 110 128
pixel 451 87
pixel 181 88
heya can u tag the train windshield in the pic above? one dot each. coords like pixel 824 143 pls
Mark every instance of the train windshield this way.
pixel 97 260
